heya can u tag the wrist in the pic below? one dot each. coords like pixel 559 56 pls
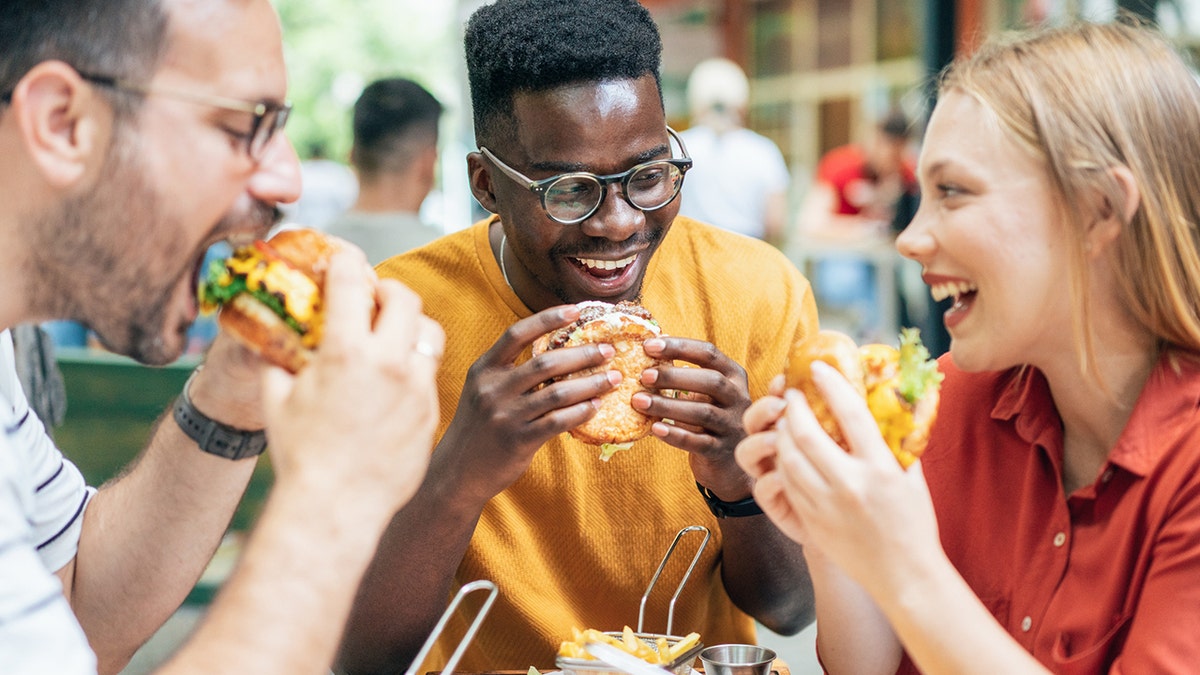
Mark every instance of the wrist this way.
pixel 212 436
pixel 720 508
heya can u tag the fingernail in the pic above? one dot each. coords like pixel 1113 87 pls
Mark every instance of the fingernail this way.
pixel 606 350
pixel 614 377
pixel 650 376
pixel 660 429
pixel 776 406
pixel 640 401
pixel 654 345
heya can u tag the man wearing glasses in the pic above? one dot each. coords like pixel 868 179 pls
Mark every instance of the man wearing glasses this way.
pixel 577 163
pixel 134 134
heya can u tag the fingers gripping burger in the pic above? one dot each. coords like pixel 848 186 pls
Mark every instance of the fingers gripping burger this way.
pixel 901 386
pixel 625 325
pixel 270 295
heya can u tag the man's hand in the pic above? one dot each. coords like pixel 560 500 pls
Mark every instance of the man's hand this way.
pixel 706 413
pixel 359 420
pixel 507 411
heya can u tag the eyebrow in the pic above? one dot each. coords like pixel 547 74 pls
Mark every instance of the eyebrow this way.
pixel 566 167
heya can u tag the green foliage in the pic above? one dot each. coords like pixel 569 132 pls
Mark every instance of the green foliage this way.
pixel 335 47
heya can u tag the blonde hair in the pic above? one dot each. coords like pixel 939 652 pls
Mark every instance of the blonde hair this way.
pixel 1086 98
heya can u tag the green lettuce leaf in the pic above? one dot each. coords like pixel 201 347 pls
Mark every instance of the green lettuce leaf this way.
pixel 917 371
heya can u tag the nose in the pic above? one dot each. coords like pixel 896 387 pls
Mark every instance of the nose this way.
pixel 917 241
pixel 615 219
pixel 276 179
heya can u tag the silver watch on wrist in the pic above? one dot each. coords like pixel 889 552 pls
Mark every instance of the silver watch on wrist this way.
pixel 212 436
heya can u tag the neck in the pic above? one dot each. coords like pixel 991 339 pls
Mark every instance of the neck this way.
pixel 391 192
pixel 1095 406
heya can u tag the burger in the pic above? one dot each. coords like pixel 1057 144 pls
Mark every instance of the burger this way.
pixel 269 294
pixel 901 386
pixel 624 325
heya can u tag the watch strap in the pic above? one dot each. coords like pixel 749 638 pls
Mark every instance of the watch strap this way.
pixel 723 509
pixel 212 436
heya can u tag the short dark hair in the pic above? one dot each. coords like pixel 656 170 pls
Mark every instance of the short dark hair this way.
pixel 895 124
pixel 114 38
pixel 394 118
pixel 535 45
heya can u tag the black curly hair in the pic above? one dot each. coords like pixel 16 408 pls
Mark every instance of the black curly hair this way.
pixel 535 45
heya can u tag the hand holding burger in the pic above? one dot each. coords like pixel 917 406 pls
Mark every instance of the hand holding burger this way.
pixel 901 386
pixel 625 325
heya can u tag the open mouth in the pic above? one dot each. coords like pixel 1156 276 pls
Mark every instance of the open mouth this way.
pixel 961 291
pixel 604 270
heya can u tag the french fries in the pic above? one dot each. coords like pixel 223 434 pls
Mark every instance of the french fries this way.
pixel 659 653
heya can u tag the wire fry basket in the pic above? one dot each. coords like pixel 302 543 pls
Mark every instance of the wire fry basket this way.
pixel 467 589
pixel 681 664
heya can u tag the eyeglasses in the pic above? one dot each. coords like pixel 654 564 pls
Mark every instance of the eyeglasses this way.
pixel 571 198
pixel 269 117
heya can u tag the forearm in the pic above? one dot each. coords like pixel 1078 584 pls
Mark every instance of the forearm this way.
pixel 147 537
pixel 406 587
pixel 765 574
pixel 854 636
pixel 283 609
pixel 764 571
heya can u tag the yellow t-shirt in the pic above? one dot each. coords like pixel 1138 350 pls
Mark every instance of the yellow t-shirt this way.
pixel 575 541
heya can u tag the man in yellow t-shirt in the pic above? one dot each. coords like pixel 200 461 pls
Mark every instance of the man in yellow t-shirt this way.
pixel 571 541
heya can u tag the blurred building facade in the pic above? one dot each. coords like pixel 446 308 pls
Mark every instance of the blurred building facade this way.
pixel 822 71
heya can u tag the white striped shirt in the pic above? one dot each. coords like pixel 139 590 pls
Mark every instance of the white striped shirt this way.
pixel 42 498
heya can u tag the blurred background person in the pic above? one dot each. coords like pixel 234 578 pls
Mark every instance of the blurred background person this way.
pixel 395 158
pixel 862 194
pixel 739 179
pixel 858 187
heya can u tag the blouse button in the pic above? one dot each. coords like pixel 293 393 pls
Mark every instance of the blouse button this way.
pixel 1026 624
pixel 1060 539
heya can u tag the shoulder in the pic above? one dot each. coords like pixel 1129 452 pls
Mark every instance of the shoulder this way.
pixel 717 251
pixel 455 251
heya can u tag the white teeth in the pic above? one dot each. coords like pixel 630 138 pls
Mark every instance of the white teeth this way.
pixel 942 291
pixel 606 264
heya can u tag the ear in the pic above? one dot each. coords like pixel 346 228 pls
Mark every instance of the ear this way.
pixel 61 121
pixel 479 176
pixel 1112 218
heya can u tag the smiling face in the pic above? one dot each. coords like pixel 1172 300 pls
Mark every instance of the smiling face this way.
pixel 123 255
pixel 603 128
pixel 990 233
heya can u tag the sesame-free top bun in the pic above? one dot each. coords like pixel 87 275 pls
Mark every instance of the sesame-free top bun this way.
pixel 307 250
pixel 625 326
pixel 838 350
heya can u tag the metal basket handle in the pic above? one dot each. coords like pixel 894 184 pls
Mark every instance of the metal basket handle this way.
pixel 686 575
pixel 463 592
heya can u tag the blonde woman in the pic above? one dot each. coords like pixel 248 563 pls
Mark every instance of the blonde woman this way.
pixel 1054 522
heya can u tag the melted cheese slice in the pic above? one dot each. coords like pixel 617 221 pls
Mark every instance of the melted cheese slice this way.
pixel 300 295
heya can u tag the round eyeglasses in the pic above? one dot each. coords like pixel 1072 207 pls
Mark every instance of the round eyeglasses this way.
pixel 571 198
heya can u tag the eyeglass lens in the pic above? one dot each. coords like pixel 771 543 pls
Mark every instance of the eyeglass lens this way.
pixel 649 187
pixel 265 127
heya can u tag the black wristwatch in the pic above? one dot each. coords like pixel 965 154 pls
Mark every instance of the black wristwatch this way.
pixel 738 509
pixel 212 436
